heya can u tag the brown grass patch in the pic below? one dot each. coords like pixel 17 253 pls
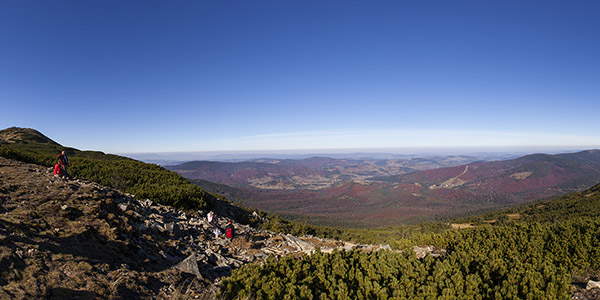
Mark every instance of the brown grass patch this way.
pixel 458 226
pixel 514 216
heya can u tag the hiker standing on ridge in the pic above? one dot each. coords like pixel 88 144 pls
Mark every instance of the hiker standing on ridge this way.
pixel 64 162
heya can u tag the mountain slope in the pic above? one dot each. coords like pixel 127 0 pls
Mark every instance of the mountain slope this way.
pixel 69 239
pixel 15 135
pixel 532 176
pixel 135 177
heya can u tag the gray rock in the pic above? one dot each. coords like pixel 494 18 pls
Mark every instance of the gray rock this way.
pixel 170 227
pixel 146 203
pixel 421 252
pixel 299 244
pixel 385 247
pixel 190 266
pixel 19 252
pixel 593 285
pixel 123 207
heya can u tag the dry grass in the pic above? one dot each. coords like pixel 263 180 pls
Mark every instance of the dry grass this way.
pixel 459 226
pixel 513 216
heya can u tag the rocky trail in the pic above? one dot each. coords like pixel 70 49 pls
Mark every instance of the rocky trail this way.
pixel 70 238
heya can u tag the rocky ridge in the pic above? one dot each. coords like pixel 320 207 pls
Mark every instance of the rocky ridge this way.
pixel 70 238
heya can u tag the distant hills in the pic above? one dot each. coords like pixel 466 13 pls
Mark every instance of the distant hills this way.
pixel 15 135
pixel 346 192
pixel 536 175
pixel 309 173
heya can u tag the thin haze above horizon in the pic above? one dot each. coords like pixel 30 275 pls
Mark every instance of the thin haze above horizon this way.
pixel 164 76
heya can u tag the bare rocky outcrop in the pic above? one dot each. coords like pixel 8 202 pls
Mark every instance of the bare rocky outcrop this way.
pixel 421 252
pixel 592 285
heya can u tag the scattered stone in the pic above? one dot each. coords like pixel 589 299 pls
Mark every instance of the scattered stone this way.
pixel 189 265
pixel 146 203
pixel 421 252
pixel 170 227
pixel 385 247
pixel 593 285
pixel 123 207
pixel 300 244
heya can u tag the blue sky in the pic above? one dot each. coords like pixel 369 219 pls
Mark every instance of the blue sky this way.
pixel 154 76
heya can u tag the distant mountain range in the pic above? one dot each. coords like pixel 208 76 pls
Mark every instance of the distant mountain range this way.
pixel 309 173
pixel 175 158
pixel 353 192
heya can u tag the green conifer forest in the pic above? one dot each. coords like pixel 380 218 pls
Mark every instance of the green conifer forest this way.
pixel 535 257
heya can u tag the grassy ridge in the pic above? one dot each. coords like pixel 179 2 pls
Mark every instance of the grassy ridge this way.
pixel 131 176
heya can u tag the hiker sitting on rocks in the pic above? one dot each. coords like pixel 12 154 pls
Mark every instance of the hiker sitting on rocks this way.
pixel 229 230
pixel 58 170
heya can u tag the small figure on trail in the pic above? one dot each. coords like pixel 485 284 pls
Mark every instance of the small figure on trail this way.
pixel 210 216
pixel 64 161
pixel 217 232
pixel 229 230
pixel 58 170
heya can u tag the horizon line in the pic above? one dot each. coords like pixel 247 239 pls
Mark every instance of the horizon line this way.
pixel 387 150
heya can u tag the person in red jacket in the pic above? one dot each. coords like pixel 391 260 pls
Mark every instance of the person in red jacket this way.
pixel 64 162
pixel 229 230
pixel 58 170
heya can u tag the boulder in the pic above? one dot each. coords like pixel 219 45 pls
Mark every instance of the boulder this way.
pixel 421 252
pixel 299 244
pixel 170 227
pixel 593 285
pixel 189 265
pixel 385 247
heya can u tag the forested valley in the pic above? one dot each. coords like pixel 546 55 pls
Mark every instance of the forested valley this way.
pixel 553 245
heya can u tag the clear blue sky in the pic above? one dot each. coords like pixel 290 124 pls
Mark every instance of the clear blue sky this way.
pixel 152 76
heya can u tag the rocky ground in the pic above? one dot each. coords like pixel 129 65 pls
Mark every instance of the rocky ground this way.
pixel 69 238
